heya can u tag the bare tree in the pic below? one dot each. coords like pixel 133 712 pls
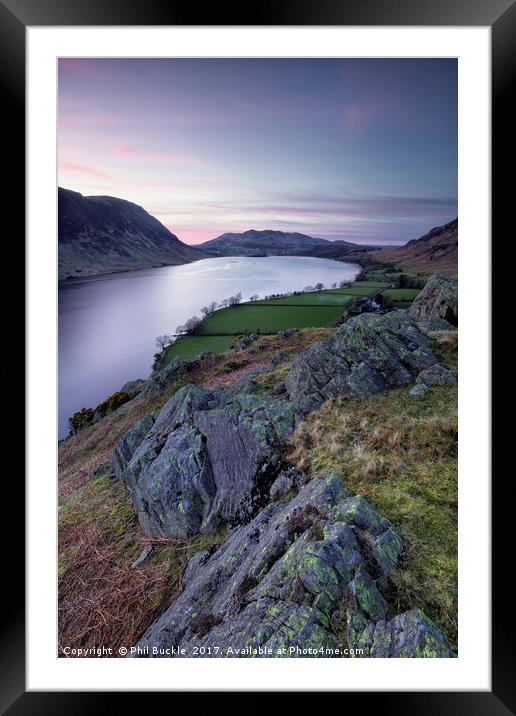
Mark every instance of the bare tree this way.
pixel 191 324
pixel 224 303
pixel 343 284
pixel 255 297
pixel 319 286
pixel 162 341
pixel 234 300
pixel 209 309
pixel 334 285
pixel 180 330
pixel 308 289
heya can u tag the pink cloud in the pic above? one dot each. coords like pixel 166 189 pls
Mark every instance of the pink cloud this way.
pixel 366 209
pixel 158 154
pixel 81 169
pixel 76 64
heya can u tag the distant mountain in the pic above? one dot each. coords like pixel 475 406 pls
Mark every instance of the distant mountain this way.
pixel 338 250
pixel 102 234
pixel 261 243
pixel 435 251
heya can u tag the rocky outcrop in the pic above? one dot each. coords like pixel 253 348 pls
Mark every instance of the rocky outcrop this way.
pixel 132 385
pixel 299 551
pixel 367 354
pixel 209 456
pixel 438 300
pixel 242 343
pixel 273 587
pixel 362 304
pixel 435 375
pixel 408 635
pixel 162 379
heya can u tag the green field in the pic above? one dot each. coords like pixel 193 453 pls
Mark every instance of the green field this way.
pixel 372 283
pixel 402 304
pixel 266 318
pixel 360 289
pixel 309 299
pixel 402 294
pixel 190 346
pixel 308 310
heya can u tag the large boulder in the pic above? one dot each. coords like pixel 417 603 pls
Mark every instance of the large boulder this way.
pixel 273 587
pixel 207 457
pixel 367 354
pixel 437 374
pixel 438 300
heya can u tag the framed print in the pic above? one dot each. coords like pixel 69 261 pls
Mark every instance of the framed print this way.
pixel 258 452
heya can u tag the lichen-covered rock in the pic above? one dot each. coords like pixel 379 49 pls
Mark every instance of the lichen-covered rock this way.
pixel 370 600
pixel 161 379
pixel 418 390
pixel 361 304
pixel 276 581
pixel 367 354
pixel 143 557
pixel 242 343
pixel 436 375
pixel 279 358
pixel 408 635
pixel 438 300
pixel 129 442
pixel 209 456
pixel 289 480
pixel 272 588
pixel 132 385
pixel 281 486
pixel 288 333
pixel 384 541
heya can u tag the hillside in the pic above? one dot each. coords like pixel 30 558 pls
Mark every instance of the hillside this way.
pixel 297 493
pixel 103 234
pixel 265 242
pixel 435 251
pixel 338 250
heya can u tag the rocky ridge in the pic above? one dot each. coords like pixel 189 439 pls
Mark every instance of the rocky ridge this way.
pixel 438 300
pixel 271 589
pixel 213 457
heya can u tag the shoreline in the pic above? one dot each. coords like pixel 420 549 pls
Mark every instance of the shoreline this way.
pixel 105 288
pixel 83 279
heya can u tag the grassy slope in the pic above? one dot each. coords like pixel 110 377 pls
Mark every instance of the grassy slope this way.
pixel 446 265
pixel 402 455
pixel 101 599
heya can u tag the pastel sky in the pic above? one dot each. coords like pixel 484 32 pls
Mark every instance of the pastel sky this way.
pixel 362 150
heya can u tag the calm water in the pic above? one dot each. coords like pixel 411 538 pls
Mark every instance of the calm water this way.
pixel 108 324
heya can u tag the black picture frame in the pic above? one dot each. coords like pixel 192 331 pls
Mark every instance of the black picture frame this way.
pixel 500 15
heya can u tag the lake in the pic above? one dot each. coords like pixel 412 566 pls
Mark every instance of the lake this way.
pixel 108 324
